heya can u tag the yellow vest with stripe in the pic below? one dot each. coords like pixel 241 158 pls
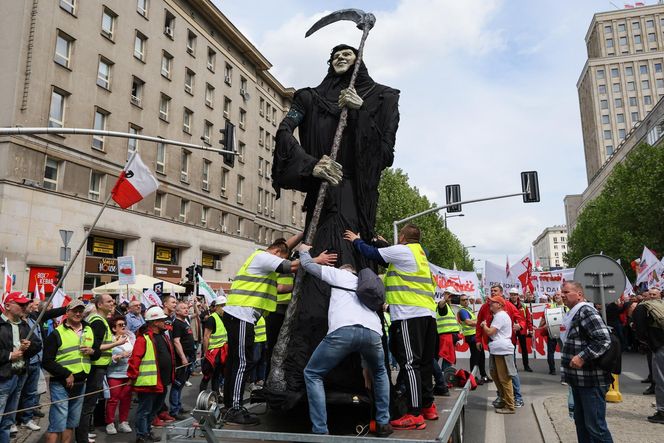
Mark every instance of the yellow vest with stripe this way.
pixel 285 279
pixel 447 323
pixel 259 330
pixel 105 357
pixel 255 291
pixel 411 288
pixel 69 354
pixel 465 329
pixel 219 336
pixel 388 322
pixel 147 371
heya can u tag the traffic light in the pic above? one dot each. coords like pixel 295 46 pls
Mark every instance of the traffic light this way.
pixel 530 187
pixel 199 271
pixel 453 195
pixel 228 143
pixel 190 273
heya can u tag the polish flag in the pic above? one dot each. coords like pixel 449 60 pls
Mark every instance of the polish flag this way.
pixel 60 299
pixel 134 184
pixel 7 282
pixel 39 293
pixel 150 298
pixel 507 266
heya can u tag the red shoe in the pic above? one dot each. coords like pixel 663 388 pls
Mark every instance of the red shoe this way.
pixel 165 417
pixel 409 422
pixel 430 413
pixel 158 423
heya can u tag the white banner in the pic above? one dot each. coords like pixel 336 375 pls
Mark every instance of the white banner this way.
pixel 465 282
pixel 126 270
pixel 150 298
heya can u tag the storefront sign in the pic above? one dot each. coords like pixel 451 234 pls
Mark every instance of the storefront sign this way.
pixel 46 276
pixel 96 265
pixel 207 260
pixel 161 271
pixel 103 245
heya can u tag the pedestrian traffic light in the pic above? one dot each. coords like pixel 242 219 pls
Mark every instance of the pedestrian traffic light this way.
pixel 228 143
pixel 530 187
pixel 190 273
pixel 453 195
pixel 199 271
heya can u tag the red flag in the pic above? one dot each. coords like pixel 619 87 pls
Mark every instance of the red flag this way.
pixel 134 184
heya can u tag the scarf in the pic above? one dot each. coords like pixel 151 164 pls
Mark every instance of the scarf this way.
pixel 567 320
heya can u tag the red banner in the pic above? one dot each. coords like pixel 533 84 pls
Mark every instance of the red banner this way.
pixel 46 276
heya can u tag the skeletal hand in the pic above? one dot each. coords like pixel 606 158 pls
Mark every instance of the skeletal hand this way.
pixel 349 98
pixel 328 169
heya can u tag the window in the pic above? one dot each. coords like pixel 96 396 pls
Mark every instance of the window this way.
pixel 240 188
pixel 227 107
pixel 166 64
pixel 187 117
pixel 618 102
pixel 51 174
pixel 260 200
pixel 650 24
pixel 63 44
pixel 659 83
pixel 652 37
pixel 647 100
pixel 191 42
pixel 621 27
pixel 158 203
pixel 630 86
pixel 605 119
pixel 228 74
pixel 209 95
pixel 108 23
pixel 608 29
pixel 101 117
pixel 132 143
pixel 615 87
pixel 169 24
pixel 267 140
pixel 658 67
pixel 142 7
pixel 609 150
pixel 56 116
pixel 243 87
pixel 241 147
pixel 184 210
pixel 161 158
pixel 261 136
pixel 211 59
pixel 268 169
pixel 261 107
pixel 293 212
pixel 139 46
pixel 104 73
pixel 204 215
pixel 600 74
pixel 620 118
pixel 243 118
pixel 635 117
pixel 643 69
pixel 206 169
pixel 637 39
pixel 224 181
pixel 629 71
pixel 267 111
pixel 189 81
pixel 240 226
pixel 95 185
pixel 601 89
pixel 184 166
pixel 274 116
pixel 645 85
pixel 207 132
pixel 609 43
pixel 136 91
pixel 636 26
pixel 69 6
pixel 621 134
pixel 266 207
pixel 622 41
pixel 632 101
pixel 607 134
pixel 260 166
pixel 166 255
pixel 615 73
pixel 604 104
pixel 164 107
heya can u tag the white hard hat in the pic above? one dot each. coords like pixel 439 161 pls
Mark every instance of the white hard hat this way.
pixel 450 289
pixel 220 300
pixel 514 291
pixel 154 313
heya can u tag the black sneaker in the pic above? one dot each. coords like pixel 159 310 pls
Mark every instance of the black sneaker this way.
pixel 552 372
pixel 383 430
pixel 646 380
pixel 441 390
pixel 241 416
pixel 527 369
pixel 657 418
pixel 649 391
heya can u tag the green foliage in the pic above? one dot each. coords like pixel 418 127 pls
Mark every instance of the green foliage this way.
pixel 628 213
pixel 399 200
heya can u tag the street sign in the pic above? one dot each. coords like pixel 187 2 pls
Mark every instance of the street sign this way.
pixel 65 253
pixel 453 195
pixel 603 279
pixel 66 236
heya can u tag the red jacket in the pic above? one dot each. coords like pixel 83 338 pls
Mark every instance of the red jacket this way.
pixel 137 355
pixel 486 314
pixel 522 307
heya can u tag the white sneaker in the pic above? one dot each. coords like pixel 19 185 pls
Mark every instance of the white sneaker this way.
pixel 124 427
pixel 31 425
pixel 187 383
pixel 91 436
pixel 110 429
pixel 13 429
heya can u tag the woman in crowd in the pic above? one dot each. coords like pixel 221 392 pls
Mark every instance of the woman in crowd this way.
pixel 118 382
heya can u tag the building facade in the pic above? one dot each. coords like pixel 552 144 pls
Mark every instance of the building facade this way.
pixel 550 246
pixel 175 69
pixel 622 79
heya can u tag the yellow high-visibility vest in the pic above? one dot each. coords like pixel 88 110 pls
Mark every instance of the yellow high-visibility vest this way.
pixel 465 329
pixel 105 357
pixel 447 323
pixel 147 371
pixel 285 279
pixel 69 354
pixel 256 291
pixel 411 288
pixel 259 331
pixel 219 336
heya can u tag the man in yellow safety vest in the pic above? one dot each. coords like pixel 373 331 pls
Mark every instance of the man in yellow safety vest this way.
pixel 448 331
pixel 214 345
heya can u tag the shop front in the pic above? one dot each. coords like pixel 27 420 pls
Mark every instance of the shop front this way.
pixel 46 277
pixel 101 264
pixel 166 264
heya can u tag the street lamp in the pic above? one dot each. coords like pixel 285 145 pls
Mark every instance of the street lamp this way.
pixel 445 217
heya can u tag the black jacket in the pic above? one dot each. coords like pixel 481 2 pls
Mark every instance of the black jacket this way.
pixel 7 346
pixel 651 335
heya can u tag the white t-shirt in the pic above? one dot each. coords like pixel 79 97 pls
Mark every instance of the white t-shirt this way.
pixel 345 308
pixel 262 264
pixel 501 342
pixel 402 258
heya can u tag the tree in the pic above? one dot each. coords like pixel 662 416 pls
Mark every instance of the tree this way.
pixel 398 200
pixel 628 213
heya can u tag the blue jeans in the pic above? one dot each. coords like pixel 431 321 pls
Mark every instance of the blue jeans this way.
pixel 516 383
pixel 439 371
pixel 329 353
pixel 64 414
pixel 149 404
pixel 260 357
pixel 10 392
pixel 181 377
pixel 29 396
pixel 590 414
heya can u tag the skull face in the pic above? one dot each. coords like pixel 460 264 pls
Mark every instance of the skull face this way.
pixel 343 60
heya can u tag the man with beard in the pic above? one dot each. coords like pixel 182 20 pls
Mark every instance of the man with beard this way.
pixel 367 147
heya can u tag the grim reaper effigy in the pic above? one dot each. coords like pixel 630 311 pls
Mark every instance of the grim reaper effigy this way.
pixel 365 148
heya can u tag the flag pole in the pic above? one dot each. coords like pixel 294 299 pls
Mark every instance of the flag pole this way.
pixel 73 259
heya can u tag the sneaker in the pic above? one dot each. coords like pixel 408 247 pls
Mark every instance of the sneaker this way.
pixel 92 435
pixel 241 416
pixel 13 430
pixel 124 427
pixel 110 429
pixel 166 417
pixel 188 383
pixel 504 411
pixel 430 413
pixel 441 390
pixel 646 380
pixel 496 402
pixel 518 403
pixel 383 430
pixel 409 422
pixel 552 372
pixel 527 369
pixel 500 405
pixel 31 425
pixel 657 418
pixel 180 416
pixel 487 379
pixel 158 423
pixel 649 391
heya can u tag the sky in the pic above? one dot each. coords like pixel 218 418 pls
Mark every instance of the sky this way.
pixel 488 89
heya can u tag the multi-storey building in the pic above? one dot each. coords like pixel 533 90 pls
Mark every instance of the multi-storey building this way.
pixel 550 246
pixel 175 69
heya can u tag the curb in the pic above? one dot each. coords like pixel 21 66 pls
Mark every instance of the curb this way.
pixel 544 423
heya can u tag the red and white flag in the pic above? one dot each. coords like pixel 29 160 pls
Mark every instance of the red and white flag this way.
pixel 7 282
pixel 39 293
pixel 134 184
pixel 150 298
pixel 522 270
pixel 649 268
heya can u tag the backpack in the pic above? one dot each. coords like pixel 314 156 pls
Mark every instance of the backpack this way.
pixel 370 289
pixel 655 310
pixel 611 359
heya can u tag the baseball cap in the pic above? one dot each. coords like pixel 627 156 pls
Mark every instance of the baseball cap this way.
pixel 77 303
pixel 17 297
pixel 498 299
pixel 514 291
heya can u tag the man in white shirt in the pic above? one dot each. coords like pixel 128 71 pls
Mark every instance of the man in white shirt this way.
pixel 501 350
pixel 352 327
